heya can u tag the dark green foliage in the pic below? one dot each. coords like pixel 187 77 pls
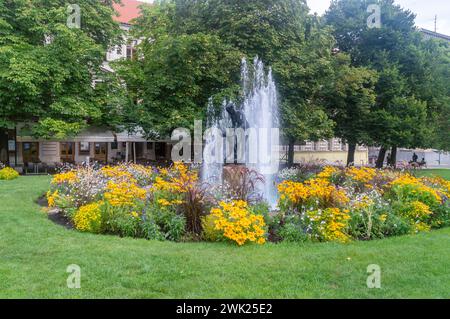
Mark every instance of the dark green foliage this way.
pixel 411 100
pixel 292 231
pixel 192 50
pixel 47 68
pixel 392 225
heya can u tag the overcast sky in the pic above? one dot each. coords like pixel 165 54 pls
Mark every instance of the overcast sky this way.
pixel 425 10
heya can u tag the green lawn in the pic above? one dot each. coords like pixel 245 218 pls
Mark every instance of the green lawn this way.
pixel 428 172
pixel 34 254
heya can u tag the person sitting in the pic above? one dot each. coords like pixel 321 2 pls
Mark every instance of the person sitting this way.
pixel 423 162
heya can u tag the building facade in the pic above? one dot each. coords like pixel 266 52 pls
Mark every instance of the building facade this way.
pixel 332 151
pixel 427 34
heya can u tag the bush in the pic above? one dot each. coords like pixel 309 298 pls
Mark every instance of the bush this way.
pixel 409 189
pixel 292 232
pixel 294 174
pixel 367 225
pixel 8 173
pixel 236 222
pixel 263 209
pixel 210 233
pixel 171 224
pixel 306 169
pixel 361 203
pixel 311 195
pixel 178 186
pixel 89 218
pixel 151 231
pixel 328 224
pixel 193 207
pixel 175 227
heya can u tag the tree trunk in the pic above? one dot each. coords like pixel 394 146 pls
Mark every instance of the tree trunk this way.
pixel 393 162
pixel 291 153
pixel 4 146
pixel 381 156
pixel 351 154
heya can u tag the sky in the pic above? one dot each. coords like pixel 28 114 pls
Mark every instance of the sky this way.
pixel 425 10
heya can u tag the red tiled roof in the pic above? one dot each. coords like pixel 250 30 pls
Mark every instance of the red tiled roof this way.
pixel 128 10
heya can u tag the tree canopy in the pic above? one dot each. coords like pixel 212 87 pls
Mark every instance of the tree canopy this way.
pixel 407 99
pixel 336 76
pixel 47 69
pixel 351 100
pixel 192 50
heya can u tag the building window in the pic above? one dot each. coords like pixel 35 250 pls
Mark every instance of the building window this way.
pixel 114 145
pixel 85 148
pixel 150 146
pixel 323 145
pixel 30 152
pixel 67 152
pixel 130 52
pixel 119 50
pixel 309 146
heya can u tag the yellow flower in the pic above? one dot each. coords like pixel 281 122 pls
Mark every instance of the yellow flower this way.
pixel 330 224
pixel 415 185
pixel 237 223
pixel 438 183
pixel 164 202
pixel 178 179
pixel 68 177
pixel 362 175
pixel 135 214
pixel 420 209
pixel 124 193
pixel 51 198
pixel 315 190
pixel 327 172
pixel 421 227
pixel 118 173
pixel 8 173
pixel 88 218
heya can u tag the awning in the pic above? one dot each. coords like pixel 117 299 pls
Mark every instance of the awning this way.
pixel 94 135
pixel 91 135
pixel 130 137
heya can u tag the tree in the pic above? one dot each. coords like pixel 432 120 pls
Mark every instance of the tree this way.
pixel 352 98
pixel 47 69
pixel 397 51
pixel 280 32
pixel 436 91
pixel 173 81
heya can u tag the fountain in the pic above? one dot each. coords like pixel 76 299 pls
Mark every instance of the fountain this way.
pixel 246 134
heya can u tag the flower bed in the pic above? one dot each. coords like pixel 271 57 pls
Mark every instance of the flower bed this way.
pixel 361 204
pixel 335 204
